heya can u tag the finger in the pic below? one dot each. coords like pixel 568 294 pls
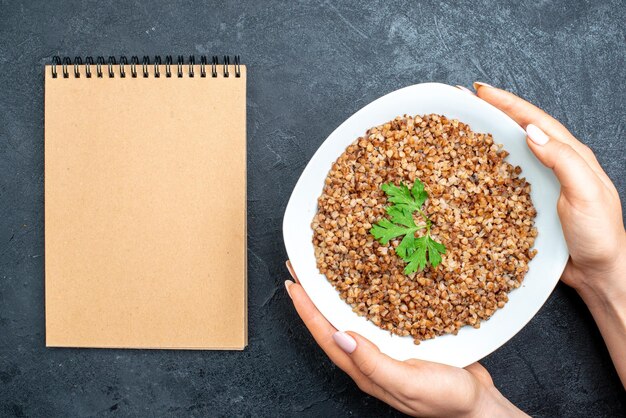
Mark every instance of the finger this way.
pixel 525 113
pixel 381 369
pixel 423 386
pixel 465 90
pixel 322 332
pixel 291 271
pixel 576 177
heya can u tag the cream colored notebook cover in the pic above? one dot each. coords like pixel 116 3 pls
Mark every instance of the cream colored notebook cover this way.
pixel 145 205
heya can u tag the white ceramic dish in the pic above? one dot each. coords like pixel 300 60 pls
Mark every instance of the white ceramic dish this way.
pixel 470 344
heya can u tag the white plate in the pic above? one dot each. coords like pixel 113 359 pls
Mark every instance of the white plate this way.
pixel 470 344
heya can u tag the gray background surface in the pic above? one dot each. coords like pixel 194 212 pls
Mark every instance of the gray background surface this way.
pixel 311 65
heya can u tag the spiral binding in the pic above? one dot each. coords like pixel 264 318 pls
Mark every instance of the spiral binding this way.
pixel 100 62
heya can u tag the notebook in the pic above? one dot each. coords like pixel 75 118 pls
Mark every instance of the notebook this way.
pixel 145 203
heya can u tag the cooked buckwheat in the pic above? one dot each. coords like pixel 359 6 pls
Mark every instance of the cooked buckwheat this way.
pixel 480 208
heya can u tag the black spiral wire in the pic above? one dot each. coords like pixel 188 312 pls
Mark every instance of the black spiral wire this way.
pixel 77 61
pixel 123 63
pixel 192 62
pixel 133 66
pixel 157 63
pixel 168 66
pixel 111 64
pixel 214 63
pixel 100 62
pixel 88 64
pixel 181 61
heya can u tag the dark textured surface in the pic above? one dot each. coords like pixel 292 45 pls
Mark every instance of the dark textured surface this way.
pixel 311 65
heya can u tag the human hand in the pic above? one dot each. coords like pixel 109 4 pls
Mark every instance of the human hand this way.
pixel 591 216
pixel 415 387
pixel 589 206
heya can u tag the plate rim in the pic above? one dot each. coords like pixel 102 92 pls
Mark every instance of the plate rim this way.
pixel 289 209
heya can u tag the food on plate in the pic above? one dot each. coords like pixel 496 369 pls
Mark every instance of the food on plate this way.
pixel 423 226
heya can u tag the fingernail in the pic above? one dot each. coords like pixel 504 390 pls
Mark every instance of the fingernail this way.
pixel 465 89
pixel 536 135
pixel 288 284
pixel 290 268
pixel 481 84
pixel 344 341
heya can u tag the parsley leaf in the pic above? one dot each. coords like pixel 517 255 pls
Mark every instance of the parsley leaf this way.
pixel 417 259
pixel 401 196
pixel 435 249
pixel 419 194
pixel 410 200
pixel 406 246
pixel 418 252
pixel 401 216
pixel 386 230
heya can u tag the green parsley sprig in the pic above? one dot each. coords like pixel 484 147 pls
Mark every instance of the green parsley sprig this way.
pixel 411 249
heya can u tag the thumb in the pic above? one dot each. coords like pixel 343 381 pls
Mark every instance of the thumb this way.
pixel 572 171
pixel 378 367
